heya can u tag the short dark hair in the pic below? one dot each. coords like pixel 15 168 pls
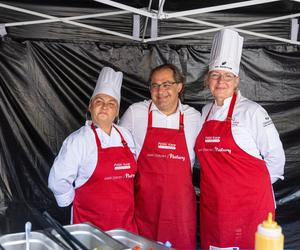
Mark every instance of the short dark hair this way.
pixel 177 75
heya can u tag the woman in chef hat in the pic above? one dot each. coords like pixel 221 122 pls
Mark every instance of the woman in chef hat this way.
pixel 240 155
pixel 95 168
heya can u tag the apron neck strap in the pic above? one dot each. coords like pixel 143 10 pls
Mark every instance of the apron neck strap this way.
pixel 122 138
pixel 209 111
pixel 96 136
pixel 150 116
pixel 181 123
pixel 231 107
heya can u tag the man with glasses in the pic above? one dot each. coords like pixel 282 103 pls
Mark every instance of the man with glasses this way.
pixel 165 130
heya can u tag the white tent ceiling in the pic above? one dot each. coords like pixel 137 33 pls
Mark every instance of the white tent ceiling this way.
pixel 154 16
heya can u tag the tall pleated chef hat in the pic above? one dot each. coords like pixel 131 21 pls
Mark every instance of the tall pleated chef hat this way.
pixel 226 51
pixel 109 82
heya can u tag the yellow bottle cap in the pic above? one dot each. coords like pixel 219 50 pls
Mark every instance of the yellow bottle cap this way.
pixel 270 223
pixel 269 227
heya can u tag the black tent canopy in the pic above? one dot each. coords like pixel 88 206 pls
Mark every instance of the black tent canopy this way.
pixel 53 51
pixel 153 21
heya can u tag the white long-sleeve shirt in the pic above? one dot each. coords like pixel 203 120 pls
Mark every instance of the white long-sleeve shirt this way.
pixel 135 119
pixel 77 160
pixel 253 131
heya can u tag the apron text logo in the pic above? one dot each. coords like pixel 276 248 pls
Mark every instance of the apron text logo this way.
pixel 166 145
pixel 129 176
pixel 121 166
pixel 119 177
pixel 215 149
pixel 109 178
pixel 211 139
pixel 176 157
pixel 156 155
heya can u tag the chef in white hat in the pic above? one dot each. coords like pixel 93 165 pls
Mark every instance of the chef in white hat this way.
pixel 95 168
pixel 240 155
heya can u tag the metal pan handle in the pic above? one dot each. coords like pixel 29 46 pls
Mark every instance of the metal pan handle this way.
pixel 69 238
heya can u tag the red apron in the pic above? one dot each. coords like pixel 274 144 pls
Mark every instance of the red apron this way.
pixel 107 198
pixel 165 196
pixel 235 188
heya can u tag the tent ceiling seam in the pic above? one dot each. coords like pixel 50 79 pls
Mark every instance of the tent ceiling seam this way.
pixel 52 20
pixel 218 8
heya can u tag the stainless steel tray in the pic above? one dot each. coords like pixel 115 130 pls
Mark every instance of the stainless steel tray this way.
pixel 38 241
pixel 92 237
pixel 132 240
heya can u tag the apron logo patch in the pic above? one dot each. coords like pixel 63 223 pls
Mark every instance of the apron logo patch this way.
pixel 212 139
pixel 166 145
pixel 176 157
pixel 121 166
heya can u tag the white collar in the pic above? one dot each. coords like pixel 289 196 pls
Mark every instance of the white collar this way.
pixel 155 108
pixel 227 101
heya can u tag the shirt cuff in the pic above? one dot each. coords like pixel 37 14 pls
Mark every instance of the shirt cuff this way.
pixel 275 178
pixel 64 200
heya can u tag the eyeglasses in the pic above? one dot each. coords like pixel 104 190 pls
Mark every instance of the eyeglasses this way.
pixel 165 85
pixel 225 76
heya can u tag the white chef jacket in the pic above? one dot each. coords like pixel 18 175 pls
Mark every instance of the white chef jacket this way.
pixel 253 131
pixel 77 160
pixel 135 119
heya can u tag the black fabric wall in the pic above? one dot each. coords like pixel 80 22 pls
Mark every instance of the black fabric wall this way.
pixel 45 89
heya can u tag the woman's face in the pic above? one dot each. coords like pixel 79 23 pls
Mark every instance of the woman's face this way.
pixel 222 84
pixel 104 109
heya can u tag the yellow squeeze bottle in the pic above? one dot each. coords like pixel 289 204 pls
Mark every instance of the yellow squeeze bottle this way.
pixel 269 235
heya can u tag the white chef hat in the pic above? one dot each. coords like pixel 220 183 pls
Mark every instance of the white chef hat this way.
pixel 226 51
pixel 109 82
